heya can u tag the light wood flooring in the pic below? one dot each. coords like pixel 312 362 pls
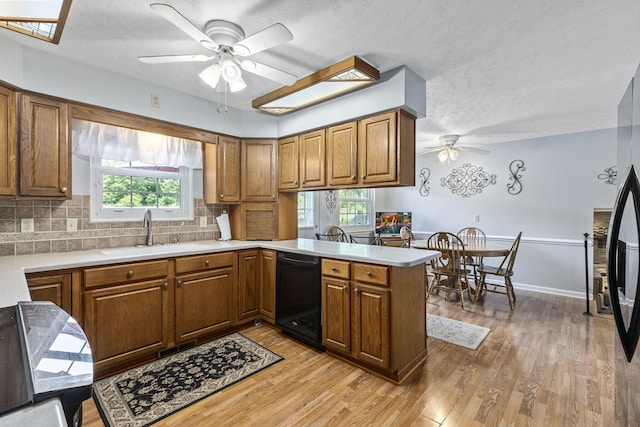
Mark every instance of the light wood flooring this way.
pixel 544 364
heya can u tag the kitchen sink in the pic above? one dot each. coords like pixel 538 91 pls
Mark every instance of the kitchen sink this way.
pixel 168 248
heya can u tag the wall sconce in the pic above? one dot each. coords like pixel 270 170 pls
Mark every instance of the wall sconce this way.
pixel 347 75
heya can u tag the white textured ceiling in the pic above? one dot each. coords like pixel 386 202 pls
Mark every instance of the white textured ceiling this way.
pixel 496 70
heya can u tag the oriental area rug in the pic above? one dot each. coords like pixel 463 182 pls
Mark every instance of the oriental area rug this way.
pixel 455 332
pixel 144 395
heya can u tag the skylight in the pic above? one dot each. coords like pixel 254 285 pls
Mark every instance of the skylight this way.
pixel 42 19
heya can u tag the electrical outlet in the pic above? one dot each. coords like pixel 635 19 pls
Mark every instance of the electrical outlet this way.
pixel 26 225
pixel 476 218
pixel 155 101
pixel 72 225
pixel 203 221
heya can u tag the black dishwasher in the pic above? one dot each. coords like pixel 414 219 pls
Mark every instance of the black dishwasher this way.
pixel 298 296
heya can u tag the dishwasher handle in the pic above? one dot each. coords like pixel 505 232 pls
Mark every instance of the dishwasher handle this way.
pixel 296 261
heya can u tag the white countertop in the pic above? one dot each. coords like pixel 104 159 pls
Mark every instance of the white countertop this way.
pixel 13 284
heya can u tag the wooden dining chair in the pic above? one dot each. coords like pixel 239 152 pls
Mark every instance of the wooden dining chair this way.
pixel 470 236
pixel 504 270
pixel 449 270
pixel 405 233
pixel 333 234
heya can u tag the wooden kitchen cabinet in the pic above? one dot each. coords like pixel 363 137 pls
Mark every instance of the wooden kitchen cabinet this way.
pixel 375 316
pixel 45 149
pixel 204 298
pixel 126 322
pixel 8 121
pixel 259 173
pixel 265 221
pixel 267 284
pixel 248 284
pixel 221 171
pixel 51 287
pixel 386 149
pixel 312 159
pixel 288 163
pixel 342 154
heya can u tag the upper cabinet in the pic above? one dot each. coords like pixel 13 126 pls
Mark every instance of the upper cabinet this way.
pixel 342 154
pixel 221 171
pixel 45 157
pixel 377 151
pixel 288 171
pixel 259 170
pixel 386 149
pixel 7 141
pixel 312 159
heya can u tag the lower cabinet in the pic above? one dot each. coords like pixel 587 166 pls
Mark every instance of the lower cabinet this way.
pixel 248 284
pixel 267 284
pixel 204 294
pixel 126 322
pixel 55 288
pixel 374 316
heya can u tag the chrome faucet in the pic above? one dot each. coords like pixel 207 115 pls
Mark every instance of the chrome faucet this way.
pixel 146 223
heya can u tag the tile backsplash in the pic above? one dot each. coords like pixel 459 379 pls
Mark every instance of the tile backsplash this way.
pixel 50 227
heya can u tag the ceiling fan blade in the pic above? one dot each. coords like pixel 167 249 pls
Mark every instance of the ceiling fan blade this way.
pixel 268 72
pixel 164 59
pixel 177 19
pixel 262 40
pixel 472 148
pixel 430 150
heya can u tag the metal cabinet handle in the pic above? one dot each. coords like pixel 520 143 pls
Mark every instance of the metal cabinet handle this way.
pixel 334 269
pixel 363 176
pixel 344 288
pixel 222 196
pixel 295 182
pixel 165 285
pixel 206 262
pixel 130 274
pixel 179 283
pixel 353 177
pixel 356 290
pixel 304 182
pixel 63 190
pixel 273 196
pixel 369 274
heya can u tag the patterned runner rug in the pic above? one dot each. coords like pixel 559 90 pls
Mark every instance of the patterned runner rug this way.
pixel 455 332
pixel 144 395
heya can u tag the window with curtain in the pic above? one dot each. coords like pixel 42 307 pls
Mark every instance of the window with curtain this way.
pixel 356 207
pixel 132 171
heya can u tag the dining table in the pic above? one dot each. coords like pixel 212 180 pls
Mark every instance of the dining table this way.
pixel 475 249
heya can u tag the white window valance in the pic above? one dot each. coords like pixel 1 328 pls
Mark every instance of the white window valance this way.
pixel 130 145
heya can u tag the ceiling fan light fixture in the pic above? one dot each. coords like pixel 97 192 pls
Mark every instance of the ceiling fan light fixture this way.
pixel 237 85
pixel 443 155
pixel 230 70
pixel 211 75
pixel 453 154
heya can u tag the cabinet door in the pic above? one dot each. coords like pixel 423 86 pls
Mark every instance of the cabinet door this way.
pixel 125 322
pixel 336 312
pixel 268 284
pixel 377 149
pixel 7 142
pixel 371 324
pixel 259 170
pixel 288 171
pixel 342 154
pixel 248 286
pixel 203 304
pixel 228 169
pixel 56 288
pixel 312 159
pixel 45 158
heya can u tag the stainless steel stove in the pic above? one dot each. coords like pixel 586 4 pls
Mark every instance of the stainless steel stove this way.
pixel 45 355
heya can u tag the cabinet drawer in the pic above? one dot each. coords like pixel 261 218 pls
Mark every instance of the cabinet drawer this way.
pixel 374 274
pixel 335 268
pixel 95 277
pixel 204 262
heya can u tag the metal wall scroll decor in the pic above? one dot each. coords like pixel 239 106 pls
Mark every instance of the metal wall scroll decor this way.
pixel 425 173
pixel 468 180
pixel 610 175
pixel 630 189
pixel 331 198
pixel 515 167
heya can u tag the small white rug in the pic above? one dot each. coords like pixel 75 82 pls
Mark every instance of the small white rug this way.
pixel 455 332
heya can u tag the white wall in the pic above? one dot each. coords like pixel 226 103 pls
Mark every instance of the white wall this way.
pixel 561 189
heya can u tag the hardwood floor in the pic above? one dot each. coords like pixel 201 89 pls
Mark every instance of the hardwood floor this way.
pixel 544 364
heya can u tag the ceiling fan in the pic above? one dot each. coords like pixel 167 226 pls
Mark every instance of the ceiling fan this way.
pixel 449 149
pixel 228 43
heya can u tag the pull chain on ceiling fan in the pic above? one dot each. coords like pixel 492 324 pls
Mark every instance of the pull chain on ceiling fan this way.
pixel 227 40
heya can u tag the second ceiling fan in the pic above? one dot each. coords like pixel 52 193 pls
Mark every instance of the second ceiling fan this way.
pixel 227 42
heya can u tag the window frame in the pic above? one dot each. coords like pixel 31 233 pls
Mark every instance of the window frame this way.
pixel 370 200
pixel 98 213
pixel 309 211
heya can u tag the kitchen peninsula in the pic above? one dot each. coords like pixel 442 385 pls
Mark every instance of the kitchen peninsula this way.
pixel 174 282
